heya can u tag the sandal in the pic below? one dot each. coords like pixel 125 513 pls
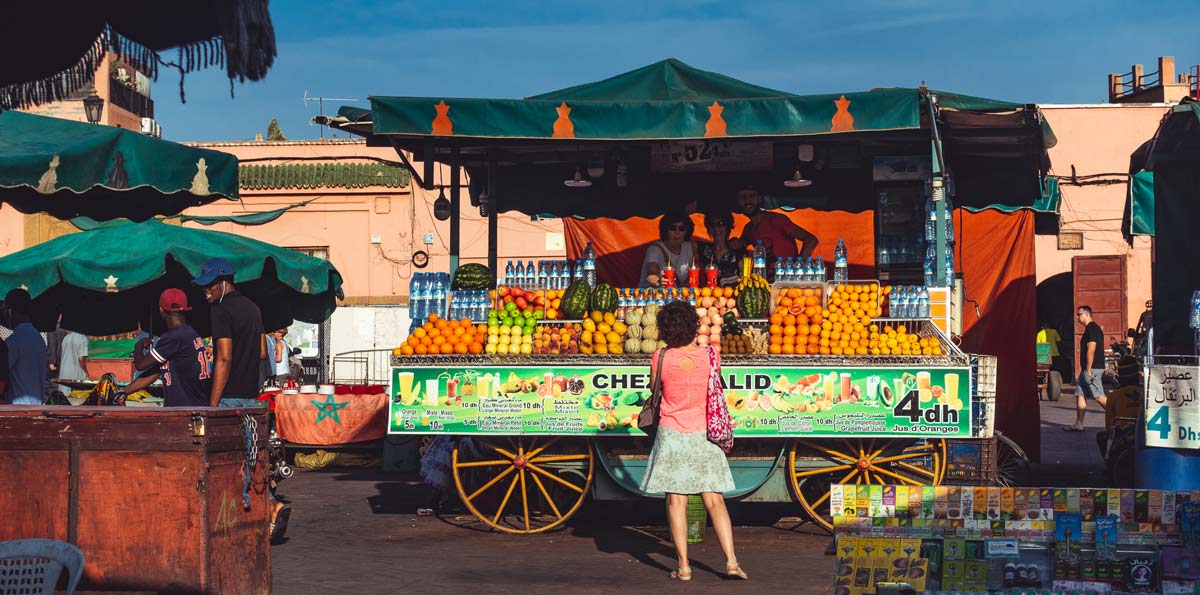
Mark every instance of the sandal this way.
pixel 682 574
pixel 736 571
pixel 279 525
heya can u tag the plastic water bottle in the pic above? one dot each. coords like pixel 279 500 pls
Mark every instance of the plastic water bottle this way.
pixel 923 310
pixel 760 259
pixel 780 269
pixel 589 264
pixel 530 275
pixel 1194 319
pixel 949 267
pixel 841 263
pixel 906 302
pixel 930 220
pixel 948 216
pixel 439 293
pixel 518 275
pixel 414 297
pixel 509 273
pixel 820 275
pixel 884 258
pixel 929 280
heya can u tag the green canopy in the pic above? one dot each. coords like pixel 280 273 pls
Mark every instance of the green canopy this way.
pixel 1141 203
pixel 71 169
pixel 674 134
pixel 106 280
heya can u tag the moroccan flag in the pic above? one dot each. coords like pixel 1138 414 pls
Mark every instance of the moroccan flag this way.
pixel 331 419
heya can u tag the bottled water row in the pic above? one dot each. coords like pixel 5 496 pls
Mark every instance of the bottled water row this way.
pixel 909 302
pixel 894 251
pixel 470 303
pixel 551 274
pixel 931 220
pixel 931 265
pixel 800 269
pixel 427 295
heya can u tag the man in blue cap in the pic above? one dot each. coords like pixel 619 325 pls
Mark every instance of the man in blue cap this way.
pixel 238 352
pixel 237 332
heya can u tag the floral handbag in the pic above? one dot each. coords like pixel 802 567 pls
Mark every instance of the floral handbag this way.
pixel 716 410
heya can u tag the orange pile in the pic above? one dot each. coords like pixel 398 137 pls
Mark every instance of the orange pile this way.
pixel 444 337
pixel 796 322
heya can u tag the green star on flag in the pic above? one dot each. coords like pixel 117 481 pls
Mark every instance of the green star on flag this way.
pixel 328 408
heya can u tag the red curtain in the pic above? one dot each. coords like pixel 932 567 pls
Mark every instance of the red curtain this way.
pixel 994 253
pixel 621 244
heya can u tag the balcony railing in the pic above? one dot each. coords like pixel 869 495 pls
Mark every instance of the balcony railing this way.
pixel 129 99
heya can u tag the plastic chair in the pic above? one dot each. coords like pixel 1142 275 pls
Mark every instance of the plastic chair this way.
pixel 32 566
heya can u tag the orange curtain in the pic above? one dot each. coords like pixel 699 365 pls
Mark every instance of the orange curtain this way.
pixel 621 244
pixel 996 257
pixel 341 419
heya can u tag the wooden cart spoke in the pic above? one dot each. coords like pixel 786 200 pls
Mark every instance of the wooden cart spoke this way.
pixel 560 480
pixel 537 451
pixel 821 470
pixel 915 469
pixel 490 483
pixel 545 494
pixel 495 448
pixel 524 499
pixel 825 495
pixel 902 457
pixel 504 501
pixel 875 452
pixel 895 476
pixel 557 458
pixel 482 464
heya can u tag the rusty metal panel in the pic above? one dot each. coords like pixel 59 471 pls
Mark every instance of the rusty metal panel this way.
pixel 1102 283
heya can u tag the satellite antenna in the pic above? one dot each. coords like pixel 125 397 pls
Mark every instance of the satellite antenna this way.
pixel 321 105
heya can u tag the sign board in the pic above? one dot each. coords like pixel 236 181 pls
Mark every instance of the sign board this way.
pixel 589 400
pixel 1172 412
pixel 709 155
pixel 909 168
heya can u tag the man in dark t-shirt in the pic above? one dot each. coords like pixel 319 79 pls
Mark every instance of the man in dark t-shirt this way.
pixel 1089 384
pixel 178 357
pixel 237 332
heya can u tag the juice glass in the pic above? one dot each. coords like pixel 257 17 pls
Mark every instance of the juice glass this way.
pixel 951 386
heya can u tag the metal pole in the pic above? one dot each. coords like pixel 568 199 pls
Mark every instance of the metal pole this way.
pixel 939 195
pixel 455 188
pixel 493 219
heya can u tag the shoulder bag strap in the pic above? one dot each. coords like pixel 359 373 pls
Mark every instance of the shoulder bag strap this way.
pixel 656 382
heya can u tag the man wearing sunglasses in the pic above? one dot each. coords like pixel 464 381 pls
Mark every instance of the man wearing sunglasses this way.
pixel 1091 367
pixel 777 233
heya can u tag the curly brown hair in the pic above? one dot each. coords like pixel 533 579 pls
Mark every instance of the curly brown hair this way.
pixel 677 324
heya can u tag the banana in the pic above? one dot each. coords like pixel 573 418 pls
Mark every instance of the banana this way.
pixel 780 404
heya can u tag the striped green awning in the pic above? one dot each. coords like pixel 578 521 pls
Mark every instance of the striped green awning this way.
pixel 321 175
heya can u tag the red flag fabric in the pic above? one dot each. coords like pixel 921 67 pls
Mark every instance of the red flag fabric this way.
pixel 331 419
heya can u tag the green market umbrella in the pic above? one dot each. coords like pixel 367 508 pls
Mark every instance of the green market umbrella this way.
pixel 107 280
pixel 71 169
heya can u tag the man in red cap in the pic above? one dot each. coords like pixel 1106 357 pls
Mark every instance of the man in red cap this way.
pixel 178 355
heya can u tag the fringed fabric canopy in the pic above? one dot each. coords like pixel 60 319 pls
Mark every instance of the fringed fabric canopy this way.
pixel 56 47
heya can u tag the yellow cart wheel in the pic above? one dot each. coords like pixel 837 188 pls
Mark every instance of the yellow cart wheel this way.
pixel 815 464
pixel 524 484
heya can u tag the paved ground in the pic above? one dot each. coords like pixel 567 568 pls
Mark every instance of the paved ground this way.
pixel 358 532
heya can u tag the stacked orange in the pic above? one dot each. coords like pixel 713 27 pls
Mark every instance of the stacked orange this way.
pixel 553 302
pixel 439 336
pixel 796 322
pixel 896 340
pixel 847 329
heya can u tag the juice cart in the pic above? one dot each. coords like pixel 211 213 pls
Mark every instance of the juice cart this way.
pixel 535 426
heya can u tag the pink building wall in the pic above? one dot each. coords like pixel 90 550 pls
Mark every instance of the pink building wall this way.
pixel 1098 139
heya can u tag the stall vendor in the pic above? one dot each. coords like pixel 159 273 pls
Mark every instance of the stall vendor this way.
pixel 724 252
pixel 674 248
pixel 777 233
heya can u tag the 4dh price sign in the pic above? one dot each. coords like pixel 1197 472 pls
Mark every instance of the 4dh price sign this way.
pixel 1172 412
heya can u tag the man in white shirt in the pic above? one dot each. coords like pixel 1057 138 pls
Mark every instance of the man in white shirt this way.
pixel 73 359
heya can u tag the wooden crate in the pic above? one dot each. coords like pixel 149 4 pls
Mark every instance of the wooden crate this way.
pixel 153 497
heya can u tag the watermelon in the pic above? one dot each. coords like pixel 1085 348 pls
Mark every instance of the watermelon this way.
pixel 752 302
pixel 604 298
pixel 472 276
pixel 575 300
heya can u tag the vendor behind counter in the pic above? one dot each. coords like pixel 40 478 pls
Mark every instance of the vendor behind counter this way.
pixel 777 233
pixel 674 248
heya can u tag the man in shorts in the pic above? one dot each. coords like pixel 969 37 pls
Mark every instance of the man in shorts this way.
pixel 1089 383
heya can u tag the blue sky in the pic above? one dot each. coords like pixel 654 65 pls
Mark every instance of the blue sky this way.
pixel 1041 52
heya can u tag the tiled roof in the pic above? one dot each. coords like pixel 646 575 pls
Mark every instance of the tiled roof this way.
pixel 321 175
pixel 276 143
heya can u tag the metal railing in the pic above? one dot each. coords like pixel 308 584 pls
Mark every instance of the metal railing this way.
pixel 366 366
pixel 1195 90
pixel 128 99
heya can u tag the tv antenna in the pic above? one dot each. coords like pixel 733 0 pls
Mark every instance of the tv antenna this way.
pixel 321 105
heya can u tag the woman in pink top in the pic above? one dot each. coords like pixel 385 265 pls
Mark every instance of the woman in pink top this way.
pixel 683 461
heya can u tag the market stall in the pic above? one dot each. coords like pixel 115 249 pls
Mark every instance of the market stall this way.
pixel 545 373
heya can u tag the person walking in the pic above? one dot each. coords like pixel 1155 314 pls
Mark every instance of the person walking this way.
pixel 683 461
pixel 1089 384
pixel 28 363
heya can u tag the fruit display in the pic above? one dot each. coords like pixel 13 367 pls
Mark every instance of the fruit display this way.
pixel 604 298
pixel 557 339
pixel 438 336
pixel 642 330
pixel 749 341
pixel 472 276
pixel 602 334
pixel 575 300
